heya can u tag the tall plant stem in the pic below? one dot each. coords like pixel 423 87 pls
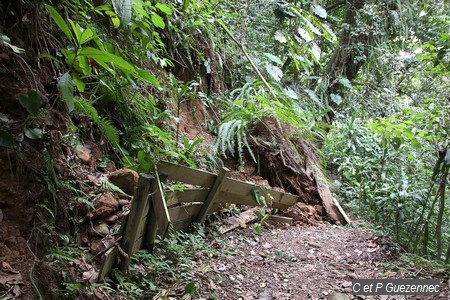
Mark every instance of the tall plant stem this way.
pixel 441 214
pixel 241 46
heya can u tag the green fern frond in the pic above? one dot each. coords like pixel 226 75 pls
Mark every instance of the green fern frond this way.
pixel 86 108
pixel 232 138
pixel 109 130
pixel 107 185
pixel 106 126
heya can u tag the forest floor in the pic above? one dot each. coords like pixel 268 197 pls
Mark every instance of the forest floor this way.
pixel 313 262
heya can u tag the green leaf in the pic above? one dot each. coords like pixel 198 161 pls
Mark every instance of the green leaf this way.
pixel 345 82
pixel 69 55
pixel 290 93
pixel 275 72
pixel 312 95
pixel 274 58
pixel 59 21
pixel 316 52
pixel 33 134
pixel 336 98
pixel 279 36
pixel 320 11
pixel 190 288
pixel 77 30
pixel 158 21
pixel 305 34
pixel 164 8
pixel 86 36
pixel 145 162
pixel 123 10
pixel 257 228
pixel 31 102
pixel 6 139
pixel 79 83
pixel 146 76
pixel 102 57
pixel 186 4
pixel 65 87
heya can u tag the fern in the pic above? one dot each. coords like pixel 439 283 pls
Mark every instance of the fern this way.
pixel 232 134
pixel 86 108
pixel 110 187
pixel 106 126
pixel 109 130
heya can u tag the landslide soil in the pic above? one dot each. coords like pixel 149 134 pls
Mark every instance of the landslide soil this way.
pixel 314 262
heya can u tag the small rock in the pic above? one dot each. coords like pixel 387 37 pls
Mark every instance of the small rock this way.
pixel 346 284
pixel 105 205
pixel 97 246
pixel 100 229
pixel 338 296
pixel 125 179
pixel 83 153
pixel 314 244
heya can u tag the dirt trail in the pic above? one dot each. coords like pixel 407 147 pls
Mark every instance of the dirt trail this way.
pixel 303 263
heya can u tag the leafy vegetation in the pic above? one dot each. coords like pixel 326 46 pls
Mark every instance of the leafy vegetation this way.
pixel 367 81
pixel 306 71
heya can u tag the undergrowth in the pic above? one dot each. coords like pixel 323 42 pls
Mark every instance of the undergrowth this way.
pixel 174 265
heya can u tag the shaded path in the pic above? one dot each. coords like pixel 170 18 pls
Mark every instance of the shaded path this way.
pixel 301 263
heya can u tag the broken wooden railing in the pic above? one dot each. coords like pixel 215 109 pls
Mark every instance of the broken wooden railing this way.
pixel 153 211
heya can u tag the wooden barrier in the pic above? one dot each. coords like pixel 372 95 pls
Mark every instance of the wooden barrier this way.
pixel 153 211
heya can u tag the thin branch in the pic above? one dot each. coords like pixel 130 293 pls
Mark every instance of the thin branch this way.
pixel 249 59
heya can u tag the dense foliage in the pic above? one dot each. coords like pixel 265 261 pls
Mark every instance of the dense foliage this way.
pixel 368 81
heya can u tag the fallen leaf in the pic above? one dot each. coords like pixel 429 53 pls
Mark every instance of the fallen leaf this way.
pixel 267 246
pixel 90 276
pixel 7 267
pixel 212 285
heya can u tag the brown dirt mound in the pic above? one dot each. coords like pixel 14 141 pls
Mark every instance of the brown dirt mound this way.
pixel 287 161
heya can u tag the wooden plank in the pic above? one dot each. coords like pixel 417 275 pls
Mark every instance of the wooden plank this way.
pixel 227 197
pixel 182 225
pixel 152 229
pixel 138 244
pixel 341 210
pixel 184 212
pixel 187 196
pixel 139 209
pixel 109 258
pixel 159 208
pixel 238 221
pixel 186 174
pixel 281 219
pixel 239 188
pixel 215 189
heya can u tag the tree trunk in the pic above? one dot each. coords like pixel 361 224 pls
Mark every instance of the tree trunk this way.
pixel 441 215
pixel 344 62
